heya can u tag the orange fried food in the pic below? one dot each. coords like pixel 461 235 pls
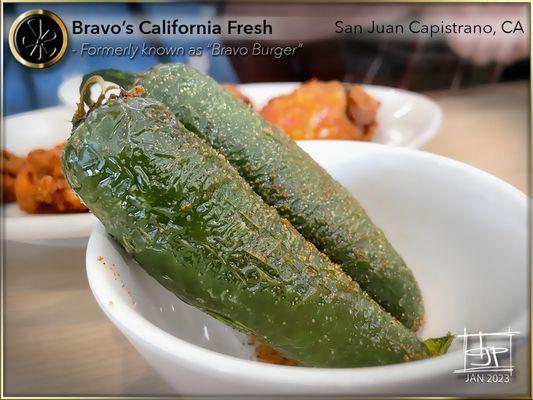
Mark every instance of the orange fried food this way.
pixel 324 110
pixel 362 110
pixel 11 165
pixel 40 186
pixel 234 90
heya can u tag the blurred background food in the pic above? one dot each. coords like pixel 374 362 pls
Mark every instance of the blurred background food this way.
pixel 37 183
pixel 324 110
pixel 320 110
pixel 11 165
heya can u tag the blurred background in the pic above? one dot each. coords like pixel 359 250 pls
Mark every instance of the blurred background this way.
pixel 414 62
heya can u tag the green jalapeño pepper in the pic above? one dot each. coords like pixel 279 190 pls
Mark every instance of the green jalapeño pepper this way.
pixel 195 225
pixel 286 177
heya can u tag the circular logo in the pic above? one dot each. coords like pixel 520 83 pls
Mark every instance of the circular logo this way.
pixel 38 39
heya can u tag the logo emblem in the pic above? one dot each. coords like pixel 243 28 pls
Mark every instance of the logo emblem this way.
pixel 38 39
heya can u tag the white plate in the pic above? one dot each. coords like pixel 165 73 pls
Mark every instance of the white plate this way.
pixel 462 231
pixel 405 118
pixel 42 129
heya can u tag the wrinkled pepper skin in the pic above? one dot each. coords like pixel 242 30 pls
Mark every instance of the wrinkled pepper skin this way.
pixel 286 177
pixel 194 224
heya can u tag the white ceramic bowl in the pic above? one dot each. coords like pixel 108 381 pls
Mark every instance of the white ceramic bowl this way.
pixel 462 231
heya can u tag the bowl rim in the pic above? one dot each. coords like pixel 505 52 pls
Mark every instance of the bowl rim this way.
pixel 139 329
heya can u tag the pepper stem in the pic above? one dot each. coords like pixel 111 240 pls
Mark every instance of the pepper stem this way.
pixel 80 113
pixel 85 98
pixel 439 346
